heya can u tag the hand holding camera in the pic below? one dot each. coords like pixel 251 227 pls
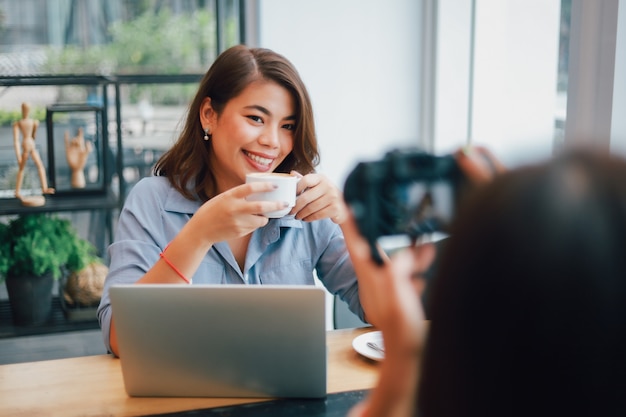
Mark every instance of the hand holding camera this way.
pixel 411 193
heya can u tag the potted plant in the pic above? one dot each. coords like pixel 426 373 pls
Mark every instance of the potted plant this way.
pixel 35 250
pixel 82 285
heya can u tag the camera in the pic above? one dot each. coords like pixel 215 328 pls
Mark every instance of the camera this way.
pixel 407 194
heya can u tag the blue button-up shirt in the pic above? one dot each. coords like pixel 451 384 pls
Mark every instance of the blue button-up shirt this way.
pixel 285 251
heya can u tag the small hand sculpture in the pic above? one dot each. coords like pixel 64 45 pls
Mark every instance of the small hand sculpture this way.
pixel 77 151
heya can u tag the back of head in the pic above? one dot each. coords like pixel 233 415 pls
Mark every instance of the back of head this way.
pixel 529 306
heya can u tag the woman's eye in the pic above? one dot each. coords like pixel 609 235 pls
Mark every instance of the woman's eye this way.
pixel 256 119
pixel 289 126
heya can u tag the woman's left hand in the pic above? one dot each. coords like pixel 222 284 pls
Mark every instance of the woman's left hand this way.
pixel 318 198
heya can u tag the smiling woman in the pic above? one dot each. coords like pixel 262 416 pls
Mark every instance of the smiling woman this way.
pixel 253 133
pixel 193 222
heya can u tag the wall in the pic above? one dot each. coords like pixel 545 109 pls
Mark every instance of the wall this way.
pixel 360 62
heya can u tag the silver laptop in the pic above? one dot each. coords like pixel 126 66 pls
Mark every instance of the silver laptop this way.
pixel 221 340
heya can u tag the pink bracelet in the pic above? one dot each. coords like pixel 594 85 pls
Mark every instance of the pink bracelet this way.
pixel 167 261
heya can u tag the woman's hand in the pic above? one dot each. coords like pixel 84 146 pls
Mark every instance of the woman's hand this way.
pixel 229 215
pixel 318 199
pixel 478 164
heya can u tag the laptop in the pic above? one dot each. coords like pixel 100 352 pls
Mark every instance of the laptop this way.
pixel 221 340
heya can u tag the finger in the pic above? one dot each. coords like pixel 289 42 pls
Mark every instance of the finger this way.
pixel 260 207
pixel 403 263
pixel 357 245
pixel 420 285
pixel 244 190
pixel 487 155
pixel 423 255
pixel 472 164
pixel 314 210
pixel 311 214
pixel 328 205
pixel 307 182
pixel 312 191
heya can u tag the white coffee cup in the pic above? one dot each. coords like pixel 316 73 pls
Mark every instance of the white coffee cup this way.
pixel 286 186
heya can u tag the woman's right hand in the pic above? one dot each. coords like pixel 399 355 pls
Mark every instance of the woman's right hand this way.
pixel 229 215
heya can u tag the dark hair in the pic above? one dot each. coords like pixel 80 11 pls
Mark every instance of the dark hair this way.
pixel 528 310
pixel 187 163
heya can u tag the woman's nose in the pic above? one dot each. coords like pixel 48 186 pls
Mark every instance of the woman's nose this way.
pixel 269 137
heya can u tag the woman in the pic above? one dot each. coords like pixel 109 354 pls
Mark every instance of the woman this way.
pixel 191 222
pixel 528 309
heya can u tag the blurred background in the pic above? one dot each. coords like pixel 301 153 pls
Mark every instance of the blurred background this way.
pixel 524 77
pixel 436 74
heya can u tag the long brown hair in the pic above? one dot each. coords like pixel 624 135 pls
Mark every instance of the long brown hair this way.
pixel 187 164
pixel 529 306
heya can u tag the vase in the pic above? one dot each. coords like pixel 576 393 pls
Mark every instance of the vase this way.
pixel 30 298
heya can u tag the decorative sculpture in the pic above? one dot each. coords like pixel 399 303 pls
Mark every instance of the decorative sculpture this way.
pixel 77 151
pixel 28 128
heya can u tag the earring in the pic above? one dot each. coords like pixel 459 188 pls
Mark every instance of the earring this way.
pixel 207 134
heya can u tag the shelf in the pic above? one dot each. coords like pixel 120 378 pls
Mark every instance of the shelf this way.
pixel 56 324
pixel 56 203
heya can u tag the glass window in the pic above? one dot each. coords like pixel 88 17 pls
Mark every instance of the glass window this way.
pixel 152 52
pixel 501 76
pixel 563 72
pixel 115 36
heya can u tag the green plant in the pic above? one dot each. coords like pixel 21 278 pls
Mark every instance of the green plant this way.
pixel 8 117
pixel 35 244
pixel 153 42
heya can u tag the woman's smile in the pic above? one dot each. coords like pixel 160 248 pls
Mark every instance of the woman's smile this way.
pixel 259 162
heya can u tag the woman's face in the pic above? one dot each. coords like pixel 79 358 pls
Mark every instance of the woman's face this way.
pixel 254 133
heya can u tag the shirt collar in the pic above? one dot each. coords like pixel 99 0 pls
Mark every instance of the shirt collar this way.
pixel 175 202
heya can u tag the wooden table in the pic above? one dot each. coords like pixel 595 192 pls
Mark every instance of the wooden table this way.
pixel 93 385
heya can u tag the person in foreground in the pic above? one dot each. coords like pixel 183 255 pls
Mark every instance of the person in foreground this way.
pixel 528 309
pixel 191 222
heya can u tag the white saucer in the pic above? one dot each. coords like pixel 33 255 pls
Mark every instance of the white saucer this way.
pixel 360 345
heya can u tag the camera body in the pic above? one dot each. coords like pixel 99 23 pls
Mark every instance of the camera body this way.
pixel 408 193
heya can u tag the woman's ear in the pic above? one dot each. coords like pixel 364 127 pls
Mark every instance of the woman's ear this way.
pixel 207 114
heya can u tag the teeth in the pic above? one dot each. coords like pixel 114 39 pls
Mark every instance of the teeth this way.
pixel 258 159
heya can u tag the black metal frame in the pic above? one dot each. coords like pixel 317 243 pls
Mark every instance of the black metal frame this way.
pixel 108 199
pixel 100 148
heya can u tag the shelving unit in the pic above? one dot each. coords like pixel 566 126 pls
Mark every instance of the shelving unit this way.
pixel 109 201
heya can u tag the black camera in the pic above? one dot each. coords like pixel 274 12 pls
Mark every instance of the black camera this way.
pixel 407 194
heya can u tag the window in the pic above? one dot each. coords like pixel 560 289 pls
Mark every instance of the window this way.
pixel 496 76
pixel 115 36
pixel 527 77
pixel 152 54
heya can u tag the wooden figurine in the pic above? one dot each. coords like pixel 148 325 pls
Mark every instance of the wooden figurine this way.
pixel 28 128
